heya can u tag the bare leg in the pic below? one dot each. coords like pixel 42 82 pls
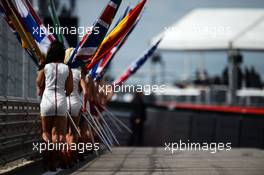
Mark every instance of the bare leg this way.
pixel 59 136
pixel 73 134
pixel 72 137
pixel 46 123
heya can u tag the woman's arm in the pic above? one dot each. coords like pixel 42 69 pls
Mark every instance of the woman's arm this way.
pixel 106 94
pixel 96 94
pixel 69 84
pixel 110 93
pixel 91 89
pixel 40 81
pixel 102 93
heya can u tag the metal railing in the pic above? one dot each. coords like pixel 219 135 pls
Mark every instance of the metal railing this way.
pixel 19 128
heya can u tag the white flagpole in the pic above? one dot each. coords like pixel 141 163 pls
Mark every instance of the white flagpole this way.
pixel 119 121
pixel 92 137
pixel 74 125
pixel 107 126
pixel 98 133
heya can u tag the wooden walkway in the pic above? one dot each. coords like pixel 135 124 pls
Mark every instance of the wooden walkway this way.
pixel 156 161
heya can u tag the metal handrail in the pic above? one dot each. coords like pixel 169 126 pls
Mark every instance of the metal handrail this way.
pixel 17 134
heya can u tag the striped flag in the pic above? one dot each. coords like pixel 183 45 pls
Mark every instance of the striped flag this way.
pixel 34 25
pixel 133 68
pixel 100 65
pixel 20 27
pixel 9 23
pixel 38 20
pixel 106 61
pixel 92 40
pixel 118 32
pixel 55 20
pixel 15 23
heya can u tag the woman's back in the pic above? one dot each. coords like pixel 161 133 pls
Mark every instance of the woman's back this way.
pixel 55 76
pixel 76 74
pixel 74 100
pixel 54 101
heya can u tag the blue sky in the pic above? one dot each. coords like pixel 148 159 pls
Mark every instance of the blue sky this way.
pixel 158 15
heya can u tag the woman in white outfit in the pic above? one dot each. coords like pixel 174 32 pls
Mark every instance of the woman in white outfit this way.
pixel 54 83
pixel 74 102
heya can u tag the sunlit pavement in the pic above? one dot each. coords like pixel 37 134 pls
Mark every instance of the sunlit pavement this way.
pixel 156 161
pixel 139 161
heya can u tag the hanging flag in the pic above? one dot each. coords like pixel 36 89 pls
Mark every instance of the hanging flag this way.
pixel 55 20
pixel 38 20
pixel 14 23
pixel 9 23
pixel 34 25
pixel 127 10
pixel 109 57
pixel 118 32
pixel 20 27
pixel 136 65
pixel 98 67
pixel 92 39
